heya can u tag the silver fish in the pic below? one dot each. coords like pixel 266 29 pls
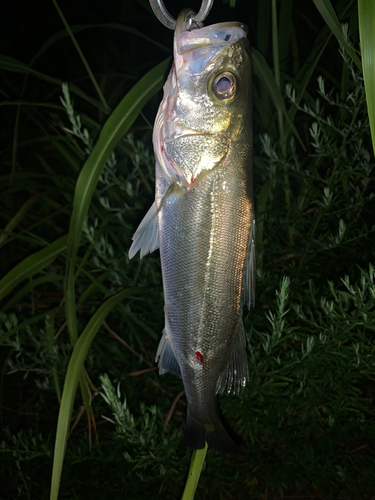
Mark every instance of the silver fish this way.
pixel 203 220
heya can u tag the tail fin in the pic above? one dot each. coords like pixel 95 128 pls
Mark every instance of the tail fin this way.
pixel 196 434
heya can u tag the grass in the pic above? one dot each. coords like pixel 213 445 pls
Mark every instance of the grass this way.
pixel 77 178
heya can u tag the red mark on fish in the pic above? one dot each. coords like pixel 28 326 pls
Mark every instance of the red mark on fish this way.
pixel 199 357
pixel 190 183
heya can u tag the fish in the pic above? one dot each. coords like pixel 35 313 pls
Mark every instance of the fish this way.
pixel 203 221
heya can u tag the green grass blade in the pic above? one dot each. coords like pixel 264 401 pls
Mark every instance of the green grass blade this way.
pixel 81 27
pixel 71 159
pixel 263 71
pixel 276 69
pixel 329 15
pixel 16 219
pixel 263 34
pixel 8 63
pixel 11 64
pixel 50 331
pixel 32 265
pixel 196 464
pixel 81 55
pixel 15 142
pixel 309 70
pixel 261 207
pixel 114 129
pixel 72 377
pixel 366 13
pixel 285 29
pixel 275 44
pixel 25 290
pixel 19 102
pixel 27 322
pixel 92 288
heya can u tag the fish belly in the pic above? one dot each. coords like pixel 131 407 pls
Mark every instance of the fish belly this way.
pixel 204 234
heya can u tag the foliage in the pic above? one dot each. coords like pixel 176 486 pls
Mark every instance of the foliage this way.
pixel 74 308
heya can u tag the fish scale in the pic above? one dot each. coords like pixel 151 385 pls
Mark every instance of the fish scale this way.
pixel 203 221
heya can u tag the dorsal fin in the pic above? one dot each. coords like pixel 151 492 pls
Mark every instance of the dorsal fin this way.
pixel 250 273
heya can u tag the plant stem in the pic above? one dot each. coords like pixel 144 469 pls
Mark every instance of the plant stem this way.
pixel 196 464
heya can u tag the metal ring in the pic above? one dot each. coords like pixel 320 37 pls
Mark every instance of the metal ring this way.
pixel 165 18
pixel 203 11
pixel 162 14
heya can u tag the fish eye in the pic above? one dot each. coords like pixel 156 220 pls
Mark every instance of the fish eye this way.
pixel 224 86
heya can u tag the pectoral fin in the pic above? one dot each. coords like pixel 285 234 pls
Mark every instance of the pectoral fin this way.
pixel 166 356
pixel 236 373
pixel 146 237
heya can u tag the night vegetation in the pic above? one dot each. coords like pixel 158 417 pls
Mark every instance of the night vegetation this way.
pixel 80 323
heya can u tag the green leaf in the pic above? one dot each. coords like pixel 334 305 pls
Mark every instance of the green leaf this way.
pixel 114 129
pixel 81 27
pixel 261 207
pixel 263 31
pixel 16 219
pixel 11 64
pixel 82 56
pixel 366 12
pixel 48 278
pixel 32 265
pixel 329 15
pixel 27 322
pixel 72 377
pixel 263 71
pixel 285 31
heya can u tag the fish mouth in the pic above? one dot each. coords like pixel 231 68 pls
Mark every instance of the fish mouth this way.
pixel 213 35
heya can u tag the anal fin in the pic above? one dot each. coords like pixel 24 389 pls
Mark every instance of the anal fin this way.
pixel 236 373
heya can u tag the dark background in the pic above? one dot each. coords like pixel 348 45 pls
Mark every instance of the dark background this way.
pixel 25 26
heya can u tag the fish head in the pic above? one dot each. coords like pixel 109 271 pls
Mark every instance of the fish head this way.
pixel 206 108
